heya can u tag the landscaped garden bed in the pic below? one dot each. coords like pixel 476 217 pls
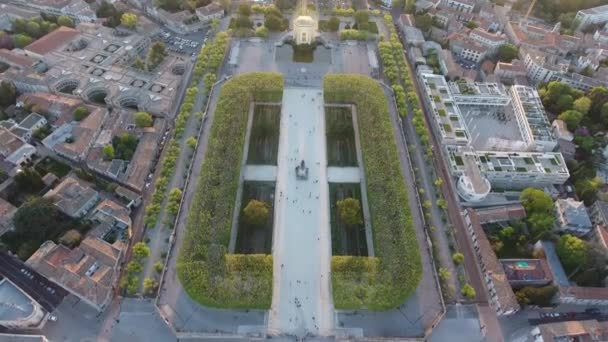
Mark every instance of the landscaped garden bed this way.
pixel 210 275
pixel 341 147
pixel 346 239
pixel 264 139
pixel 254 234
pixel 387 280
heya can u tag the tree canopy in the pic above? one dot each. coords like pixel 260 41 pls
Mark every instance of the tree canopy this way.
pixel 256 212
pixel 508 52
pixel 80 113
pixel 349 210
pixel 141 250
pixel 536 201
pixel 572 118
pixel 156 54
pixel 143 119
pixel 129 20
pixel 572 251
pixel 8 93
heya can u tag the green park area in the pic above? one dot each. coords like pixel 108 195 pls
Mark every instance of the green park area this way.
pixel 388 279
pixel 209 274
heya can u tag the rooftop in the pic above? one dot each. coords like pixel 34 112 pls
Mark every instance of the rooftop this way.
pixel 499 287
pixel 89 270
pixel 572 213
pixel 584 331
pixel 71 195
pixel 52 40
pixel 526 270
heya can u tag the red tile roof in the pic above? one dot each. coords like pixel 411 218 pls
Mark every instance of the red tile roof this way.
pixel 52 41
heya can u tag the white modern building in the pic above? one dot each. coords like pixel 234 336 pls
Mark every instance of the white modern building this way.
pixel 493 136
pixel 592 16
pixel 460 5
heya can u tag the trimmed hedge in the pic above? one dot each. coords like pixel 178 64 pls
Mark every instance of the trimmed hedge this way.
pixel 207 272
pixel 362 282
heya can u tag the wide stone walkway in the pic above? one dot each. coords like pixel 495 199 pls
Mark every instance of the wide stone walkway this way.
pixel 302 303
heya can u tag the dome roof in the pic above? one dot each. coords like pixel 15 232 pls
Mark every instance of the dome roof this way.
pixel 304 20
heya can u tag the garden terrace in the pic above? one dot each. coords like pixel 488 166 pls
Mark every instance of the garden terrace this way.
pixel 250 238
pixel 346 240
pixel 387 280
pixel 264 139
pixel 210 275
pixel 341 148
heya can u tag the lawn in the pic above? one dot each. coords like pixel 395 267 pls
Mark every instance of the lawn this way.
pixel 345 240
pixel 256 239
pixel 341 147
pixel 386 281
pixel 208 273
pixel 264 139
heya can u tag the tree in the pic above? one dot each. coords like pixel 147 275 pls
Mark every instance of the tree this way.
pixel 108 152
pixel 444 273
pixel 129 20
pixel 572 118
pixel 540 296
pixel 256 212
pixel 215 24
pixel 468 291
pixel 564 102
pixel 156 54
pixel 536 201
pixel 261 32
pixel 6 42
pixel 349 210
pixel 125 145
pixel 158 266
pixel 139 64
pixel 273 23
pixel 141 250
pixel 22 40
pixel 38 219
pixel 191 142
pixel 362 20
pixel 64 20
pixel 143 119
pixel 424 22
pixel 582 105
pixel 508 52
pixel 540 223
pixel 33 29
pixel 29 180
pixel 586 189
pixel 471 24
pixel 572 251
pixel 244 9
pixel 80 113
pixel 458 258
pixel 71 238
pixel 333 24
pixel 134 267
pixel 150 286
pixel 8 93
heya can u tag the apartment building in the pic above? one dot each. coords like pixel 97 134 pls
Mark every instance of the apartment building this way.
pixel 459 5
pixel 592 16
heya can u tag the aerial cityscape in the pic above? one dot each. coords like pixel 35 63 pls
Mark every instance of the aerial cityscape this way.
pixel 304 170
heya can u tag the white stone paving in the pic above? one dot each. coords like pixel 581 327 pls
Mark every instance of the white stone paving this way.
pixel 302 303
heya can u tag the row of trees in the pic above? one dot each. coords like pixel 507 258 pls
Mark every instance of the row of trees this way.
pixel 207 272
pixel 209 60
pixel 394 274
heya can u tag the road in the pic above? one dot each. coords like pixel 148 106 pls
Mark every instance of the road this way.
pixel 35 285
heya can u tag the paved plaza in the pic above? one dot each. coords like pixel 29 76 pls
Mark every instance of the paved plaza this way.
pixel 302 303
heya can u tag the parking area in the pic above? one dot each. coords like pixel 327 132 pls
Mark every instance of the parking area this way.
pixel 465 64
pixel 188 44
pixel 46 293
